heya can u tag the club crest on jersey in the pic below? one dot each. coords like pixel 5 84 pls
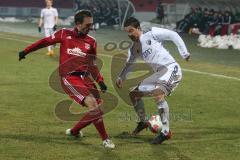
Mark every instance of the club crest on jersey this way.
pixel 87 46
pixel 149 42
pixel 76 52
pixel 53 36
pixel 69 37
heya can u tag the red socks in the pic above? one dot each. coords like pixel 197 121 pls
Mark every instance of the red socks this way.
pixel 101 129
pixel 94 116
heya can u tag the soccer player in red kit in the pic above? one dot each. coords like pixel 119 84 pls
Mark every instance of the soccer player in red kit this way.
pixel 77 56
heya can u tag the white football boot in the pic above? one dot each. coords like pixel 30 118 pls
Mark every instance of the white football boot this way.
pixel 108 144
pixel 69 133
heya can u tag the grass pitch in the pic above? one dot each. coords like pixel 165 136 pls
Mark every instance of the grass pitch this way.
pixel 204 108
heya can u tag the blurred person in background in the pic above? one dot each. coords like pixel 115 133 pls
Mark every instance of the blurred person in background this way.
pixel 160 12
pixel 235 27
pixel 227 20
pixel 213 22
pixel 48 19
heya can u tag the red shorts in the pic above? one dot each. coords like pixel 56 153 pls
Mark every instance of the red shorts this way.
pixel 80 87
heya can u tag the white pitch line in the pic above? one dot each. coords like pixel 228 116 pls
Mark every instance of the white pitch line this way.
pixel 29 42
pixel 187 70
pixel 211 74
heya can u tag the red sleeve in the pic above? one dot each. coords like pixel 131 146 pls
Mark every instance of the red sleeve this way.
pixel 55 38
pixel 93 68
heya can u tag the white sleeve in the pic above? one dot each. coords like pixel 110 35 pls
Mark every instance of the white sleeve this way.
pixel 41 15
pixel 129 64
pixel 162 34
pixel 55 12
pixel 131 58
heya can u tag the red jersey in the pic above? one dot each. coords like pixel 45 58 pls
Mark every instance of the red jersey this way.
pixel 77 52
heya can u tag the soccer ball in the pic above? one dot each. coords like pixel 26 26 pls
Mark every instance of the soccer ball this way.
pixel 155 124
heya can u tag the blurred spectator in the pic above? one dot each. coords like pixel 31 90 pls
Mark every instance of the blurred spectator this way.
pixel 213 22
pixel 48 20
pixel 236 24
pixel 160 12
pixel 105 12
pixel 227 19
pixel 209 22
pixel 219 24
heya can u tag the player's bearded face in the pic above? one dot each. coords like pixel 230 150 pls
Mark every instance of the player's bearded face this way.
pixel 133 33
pixel 86 26
pixel 132 37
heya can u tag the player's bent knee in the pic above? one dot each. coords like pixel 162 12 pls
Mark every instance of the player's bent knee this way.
pixel 131 94
pixel 90 102
pixel 134 96
pixel 158 92
pixel 159 98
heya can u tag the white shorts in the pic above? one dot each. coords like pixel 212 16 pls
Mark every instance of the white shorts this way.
pixel 166 79
pixel 48 32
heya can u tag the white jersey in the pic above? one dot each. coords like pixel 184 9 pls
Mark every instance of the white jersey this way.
pixel 151 49
pixel 49 16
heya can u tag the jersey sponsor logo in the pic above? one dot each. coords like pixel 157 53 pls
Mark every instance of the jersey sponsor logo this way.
pixel 76 52
pixel 147 53
pixel 87 46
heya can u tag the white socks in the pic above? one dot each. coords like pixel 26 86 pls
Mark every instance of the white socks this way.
pixel 163 111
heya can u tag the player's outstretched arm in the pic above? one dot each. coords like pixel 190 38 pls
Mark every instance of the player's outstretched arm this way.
pixel 127 68
pixel 56 38
pixel 165 34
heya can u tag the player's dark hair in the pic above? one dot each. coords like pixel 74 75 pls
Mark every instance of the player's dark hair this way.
pixel 80 15
pixel 131 21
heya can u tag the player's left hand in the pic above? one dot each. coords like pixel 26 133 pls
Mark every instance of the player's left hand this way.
pixel 103 86
pixel 187 58
pixel 55 27
pixel 21 55
pixel 39 29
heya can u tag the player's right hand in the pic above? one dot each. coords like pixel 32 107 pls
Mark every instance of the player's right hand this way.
pixel 21 55
pixel 39 29
pixel 119 82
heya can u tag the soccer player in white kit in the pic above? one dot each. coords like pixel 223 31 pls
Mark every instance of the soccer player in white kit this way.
pixel 49 19
pixel 167 72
